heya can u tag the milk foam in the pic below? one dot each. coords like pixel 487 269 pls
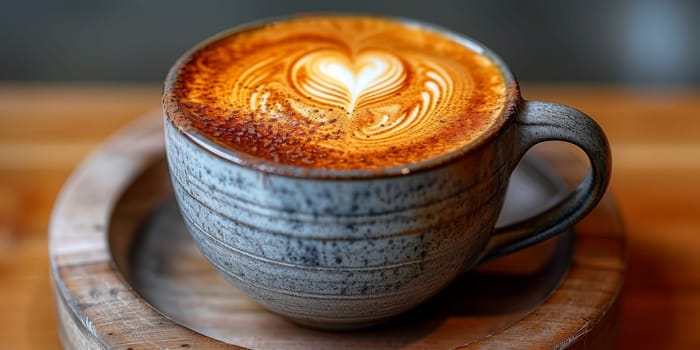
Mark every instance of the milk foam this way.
pixel 341 92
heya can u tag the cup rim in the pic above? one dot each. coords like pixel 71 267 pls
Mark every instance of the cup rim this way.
pixel 270 167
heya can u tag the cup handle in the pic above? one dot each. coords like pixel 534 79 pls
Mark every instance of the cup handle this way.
pixel 546 121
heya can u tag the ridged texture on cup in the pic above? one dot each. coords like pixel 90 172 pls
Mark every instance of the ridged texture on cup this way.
pixel 338 254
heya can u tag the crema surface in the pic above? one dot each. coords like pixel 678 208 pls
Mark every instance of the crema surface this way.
pixel 337 92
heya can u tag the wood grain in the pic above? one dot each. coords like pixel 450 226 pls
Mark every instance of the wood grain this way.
pixel 96 223
pixel 655 136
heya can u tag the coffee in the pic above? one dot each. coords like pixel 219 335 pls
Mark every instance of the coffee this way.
pixel 339 249
pixel 337 92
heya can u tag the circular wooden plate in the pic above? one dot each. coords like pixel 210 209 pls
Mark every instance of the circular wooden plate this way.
pixel 128 276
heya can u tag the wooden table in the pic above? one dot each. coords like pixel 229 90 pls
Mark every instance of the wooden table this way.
pixel 46 130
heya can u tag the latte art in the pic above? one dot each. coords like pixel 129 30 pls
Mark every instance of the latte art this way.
pixel 364 86
pixel 339 92
pixel 333 78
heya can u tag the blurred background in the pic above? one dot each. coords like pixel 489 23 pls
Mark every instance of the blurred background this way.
pixel 72 72
pixel 644 42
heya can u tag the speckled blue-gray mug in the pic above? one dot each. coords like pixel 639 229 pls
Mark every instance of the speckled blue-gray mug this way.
pixel 344 249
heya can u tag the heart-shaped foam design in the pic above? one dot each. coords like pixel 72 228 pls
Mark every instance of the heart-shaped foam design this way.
pixel 339 92
pixel 333 78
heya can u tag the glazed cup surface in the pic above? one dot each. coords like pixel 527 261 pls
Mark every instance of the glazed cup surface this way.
pixel 336 253
pixel 348 249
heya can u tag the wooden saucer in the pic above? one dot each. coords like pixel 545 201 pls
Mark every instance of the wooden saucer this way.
pixel 128 276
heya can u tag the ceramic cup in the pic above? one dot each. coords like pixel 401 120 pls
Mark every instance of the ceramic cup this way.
pixel 343 249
